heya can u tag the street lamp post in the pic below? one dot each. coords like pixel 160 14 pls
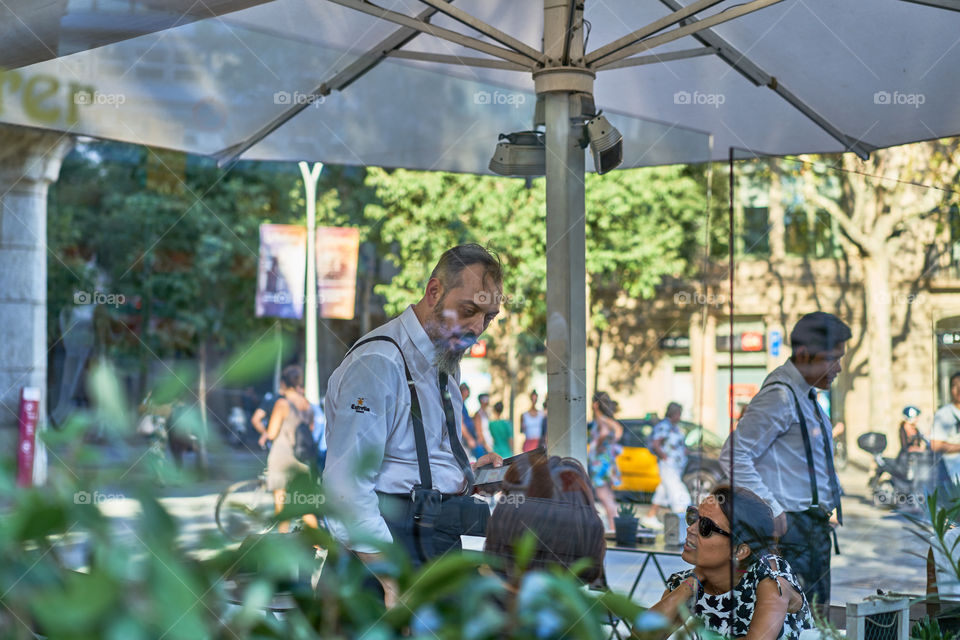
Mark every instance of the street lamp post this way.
pixel 311 382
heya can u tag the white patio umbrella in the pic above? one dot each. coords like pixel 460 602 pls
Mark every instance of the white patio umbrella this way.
pixel 429 85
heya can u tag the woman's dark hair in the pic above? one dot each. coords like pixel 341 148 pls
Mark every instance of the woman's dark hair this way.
pixel 498 407
pixel 551 498
pixel 292 376
pixel 607 405
pixel 750 518
pixel 552 478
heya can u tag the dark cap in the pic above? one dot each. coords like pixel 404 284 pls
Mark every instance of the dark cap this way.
pixel 819 331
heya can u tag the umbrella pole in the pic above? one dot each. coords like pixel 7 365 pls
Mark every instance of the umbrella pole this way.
pixel 566 261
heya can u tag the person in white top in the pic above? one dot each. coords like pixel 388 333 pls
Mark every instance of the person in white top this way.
pixel 945 438
pixel 782 450
pixel 372 456
pixel 531 424
pixel 481 420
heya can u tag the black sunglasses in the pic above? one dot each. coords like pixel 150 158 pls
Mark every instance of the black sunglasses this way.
pixel 707 526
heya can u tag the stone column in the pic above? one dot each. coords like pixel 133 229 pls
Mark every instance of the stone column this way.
pixel 29 161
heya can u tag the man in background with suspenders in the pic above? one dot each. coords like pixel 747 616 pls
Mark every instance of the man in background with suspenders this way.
pixel 782 450
pixel 396 466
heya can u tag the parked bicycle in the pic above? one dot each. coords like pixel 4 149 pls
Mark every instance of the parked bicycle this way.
pixel 245 508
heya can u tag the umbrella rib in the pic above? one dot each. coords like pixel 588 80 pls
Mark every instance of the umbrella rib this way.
pixel 690 28
pixel 338 82
pixel 438 32
pixel 663 57
pixel 658 25
pixel 459 60
pixel 951 5
pixel 490 31
pixel 752 72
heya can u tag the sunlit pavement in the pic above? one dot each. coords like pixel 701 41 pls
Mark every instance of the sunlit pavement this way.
pixel 877 547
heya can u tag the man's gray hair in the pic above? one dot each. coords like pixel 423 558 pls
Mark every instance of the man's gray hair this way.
pixel 449 269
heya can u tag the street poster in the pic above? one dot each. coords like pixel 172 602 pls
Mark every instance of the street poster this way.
pixel 337 254
pixel 281 271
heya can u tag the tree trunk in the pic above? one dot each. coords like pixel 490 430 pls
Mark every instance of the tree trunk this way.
pixel 146 314
pixel 202 382
pixel 204 435
pixel 596 364
pixel 876 286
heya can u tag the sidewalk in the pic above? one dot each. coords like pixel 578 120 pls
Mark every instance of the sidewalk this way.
pixel 877 548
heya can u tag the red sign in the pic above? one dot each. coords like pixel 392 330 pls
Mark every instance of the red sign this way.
pixel 751 341
pixel 739 397
pixel 29 414
pixel 478 349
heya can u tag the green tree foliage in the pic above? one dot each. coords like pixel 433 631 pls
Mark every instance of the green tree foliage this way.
pixel 640 225
pixel 179 244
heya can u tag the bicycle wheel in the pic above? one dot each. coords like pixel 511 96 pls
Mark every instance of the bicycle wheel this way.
pixel 244 508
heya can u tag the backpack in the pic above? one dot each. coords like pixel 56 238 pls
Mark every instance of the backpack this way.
pixel 304 446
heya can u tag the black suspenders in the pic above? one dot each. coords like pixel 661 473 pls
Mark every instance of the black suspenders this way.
pixel 806 440
pixel 419 436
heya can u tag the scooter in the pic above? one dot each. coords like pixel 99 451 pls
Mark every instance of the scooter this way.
pixel 900 482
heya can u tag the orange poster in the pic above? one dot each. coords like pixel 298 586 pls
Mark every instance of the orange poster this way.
pixel 338 249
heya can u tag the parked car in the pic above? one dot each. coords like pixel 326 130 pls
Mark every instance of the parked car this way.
pixel 639 475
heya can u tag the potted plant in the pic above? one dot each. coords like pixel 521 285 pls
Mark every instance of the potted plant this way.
pixel 626 525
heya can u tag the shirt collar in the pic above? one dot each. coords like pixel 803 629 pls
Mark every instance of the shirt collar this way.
pixel 796 378
pixel 411 324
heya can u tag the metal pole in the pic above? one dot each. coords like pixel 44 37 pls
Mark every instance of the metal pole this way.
pixel 566 261
pixel 311 382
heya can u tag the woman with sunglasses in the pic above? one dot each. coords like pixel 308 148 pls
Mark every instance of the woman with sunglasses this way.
pixel 738 586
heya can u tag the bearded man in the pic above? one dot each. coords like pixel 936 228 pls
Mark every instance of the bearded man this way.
pixel 399 381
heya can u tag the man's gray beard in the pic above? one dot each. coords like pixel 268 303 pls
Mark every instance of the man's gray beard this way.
pixel 448 361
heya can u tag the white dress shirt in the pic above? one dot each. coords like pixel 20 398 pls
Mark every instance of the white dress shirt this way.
pixel 368 421
pixel 768 453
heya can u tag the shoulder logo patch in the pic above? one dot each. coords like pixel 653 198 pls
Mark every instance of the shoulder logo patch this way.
pixel 359 407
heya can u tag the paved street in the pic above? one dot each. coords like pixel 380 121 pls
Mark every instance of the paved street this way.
pixel 875 544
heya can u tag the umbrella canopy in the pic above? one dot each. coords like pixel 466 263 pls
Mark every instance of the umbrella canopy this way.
pixel 429 85
pixel 797 76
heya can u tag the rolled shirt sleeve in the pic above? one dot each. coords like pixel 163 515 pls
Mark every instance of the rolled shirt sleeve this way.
pixel 766 417
pixel 362 403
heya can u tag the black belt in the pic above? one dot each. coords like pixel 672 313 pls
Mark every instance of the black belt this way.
pixel 409 496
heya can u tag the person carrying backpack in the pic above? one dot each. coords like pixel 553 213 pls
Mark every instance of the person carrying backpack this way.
pixel 290 410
